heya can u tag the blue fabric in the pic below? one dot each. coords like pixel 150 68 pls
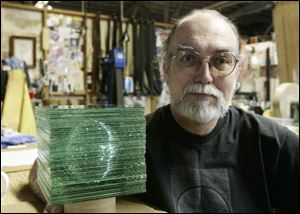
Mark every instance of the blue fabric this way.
pixel 17 139
pixel 14 63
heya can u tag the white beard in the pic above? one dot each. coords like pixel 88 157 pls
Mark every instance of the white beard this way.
pixel 201 111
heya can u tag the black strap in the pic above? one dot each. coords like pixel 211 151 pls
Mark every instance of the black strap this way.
pixel 108 73
pixel 125 38
pixel 138 86
pixel 115 27
pixel 96 83
pixel 113 88
pixel 148 59
pixel 119 76
pixel 153 83
pixel 267 83
pixel 4 78
pixel 107 48
pixel 140 47
pixel 156 83
pixel 147 73
pixel 119 86
pixel 134 55
pixel 107 86
pixel 120 28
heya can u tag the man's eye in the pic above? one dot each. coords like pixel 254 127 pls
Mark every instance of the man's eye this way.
pixel 189 58
pixel 222 60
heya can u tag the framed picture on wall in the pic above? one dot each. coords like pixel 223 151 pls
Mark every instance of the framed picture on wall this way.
pixel 23 48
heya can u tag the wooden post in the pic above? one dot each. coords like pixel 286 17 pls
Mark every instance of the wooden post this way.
pixel 44 34
pixel 86 95
pixel 286 25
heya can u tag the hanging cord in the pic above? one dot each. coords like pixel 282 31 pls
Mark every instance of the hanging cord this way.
pixel 122 10
pixel 154 66
pixel 97 57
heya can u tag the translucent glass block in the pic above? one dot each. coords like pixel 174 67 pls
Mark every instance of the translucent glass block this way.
pixel 90 152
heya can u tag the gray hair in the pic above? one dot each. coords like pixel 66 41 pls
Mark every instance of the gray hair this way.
pixel 166 46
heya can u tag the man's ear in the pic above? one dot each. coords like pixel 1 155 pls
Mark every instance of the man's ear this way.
pixel 240 70
pixel 166 71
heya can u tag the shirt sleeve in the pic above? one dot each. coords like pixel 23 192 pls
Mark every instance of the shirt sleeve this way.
pixel 285 186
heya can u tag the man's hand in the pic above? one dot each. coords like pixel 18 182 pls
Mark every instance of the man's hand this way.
pixel 38 192
pixel 33 182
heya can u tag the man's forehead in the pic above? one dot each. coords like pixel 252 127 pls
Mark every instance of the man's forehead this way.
pixel 206 28
pixel 206 19
pixel 216 49
pixel 199 35
pixel 206 45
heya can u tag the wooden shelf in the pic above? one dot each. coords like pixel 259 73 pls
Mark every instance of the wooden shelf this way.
pixel 66 95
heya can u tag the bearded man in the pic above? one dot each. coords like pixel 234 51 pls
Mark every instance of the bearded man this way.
pixel 203 155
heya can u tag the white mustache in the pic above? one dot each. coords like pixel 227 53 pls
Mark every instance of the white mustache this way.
pixel 203 89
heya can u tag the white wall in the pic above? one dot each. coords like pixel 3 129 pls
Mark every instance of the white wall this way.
pixel 16 22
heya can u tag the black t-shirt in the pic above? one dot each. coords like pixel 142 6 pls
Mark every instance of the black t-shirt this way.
pixel 246 164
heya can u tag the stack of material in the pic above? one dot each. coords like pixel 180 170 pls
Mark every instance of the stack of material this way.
pixel 17 112
pixel 87 152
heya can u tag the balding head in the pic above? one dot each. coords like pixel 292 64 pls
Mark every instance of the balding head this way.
pixel 208 17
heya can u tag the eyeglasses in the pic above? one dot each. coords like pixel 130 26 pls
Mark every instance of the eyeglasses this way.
pixel 189 62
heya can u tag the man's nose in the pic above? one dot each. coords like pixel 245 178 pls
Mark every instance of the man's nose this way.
pixel 203 74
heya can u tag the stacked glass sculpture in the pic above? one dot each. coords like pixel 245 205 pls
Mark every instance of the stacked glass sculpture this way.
pixel 88 152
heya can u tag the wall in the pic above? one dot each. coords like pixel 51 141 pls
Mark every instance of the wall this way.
pixel 21 23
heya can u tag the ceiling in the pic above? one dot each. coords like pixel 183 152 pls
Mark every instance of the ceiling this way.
pixel 251 17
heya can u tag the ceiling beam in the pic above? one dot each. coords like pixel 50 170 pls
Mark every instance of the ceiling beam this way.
pixel 134 8
pixel 145 8
pixel 166 12
pixel 269 28
pixel 250 9
pixel 179 7
pixel 223 4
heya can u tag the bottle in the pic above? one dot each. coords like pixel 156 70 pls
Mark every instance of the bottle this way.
pixel 252 105
pixel 258 109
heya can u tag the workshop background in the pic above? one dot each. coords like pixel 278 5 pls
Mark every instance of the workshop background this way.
pixel 74 53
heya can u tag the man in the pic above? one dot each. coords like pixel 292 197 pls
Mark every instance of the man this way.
pixel 202 155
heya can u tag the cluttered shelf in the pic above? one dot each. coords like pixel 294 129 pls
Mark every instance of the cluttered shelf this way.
pixel 66 94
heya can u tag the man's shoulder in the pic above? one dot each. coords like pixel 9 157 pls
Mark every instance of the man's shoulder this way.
pixel 155 121
pixel 156 115
pixel 149 116
pixel 248 121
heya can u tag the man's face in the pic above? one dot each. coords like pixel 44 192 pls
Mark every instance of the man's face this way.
pixel 202 97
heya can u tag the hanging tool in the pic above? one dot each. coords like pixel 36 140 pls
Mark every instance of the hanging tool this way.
pixel 96 81
pixel 267 83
